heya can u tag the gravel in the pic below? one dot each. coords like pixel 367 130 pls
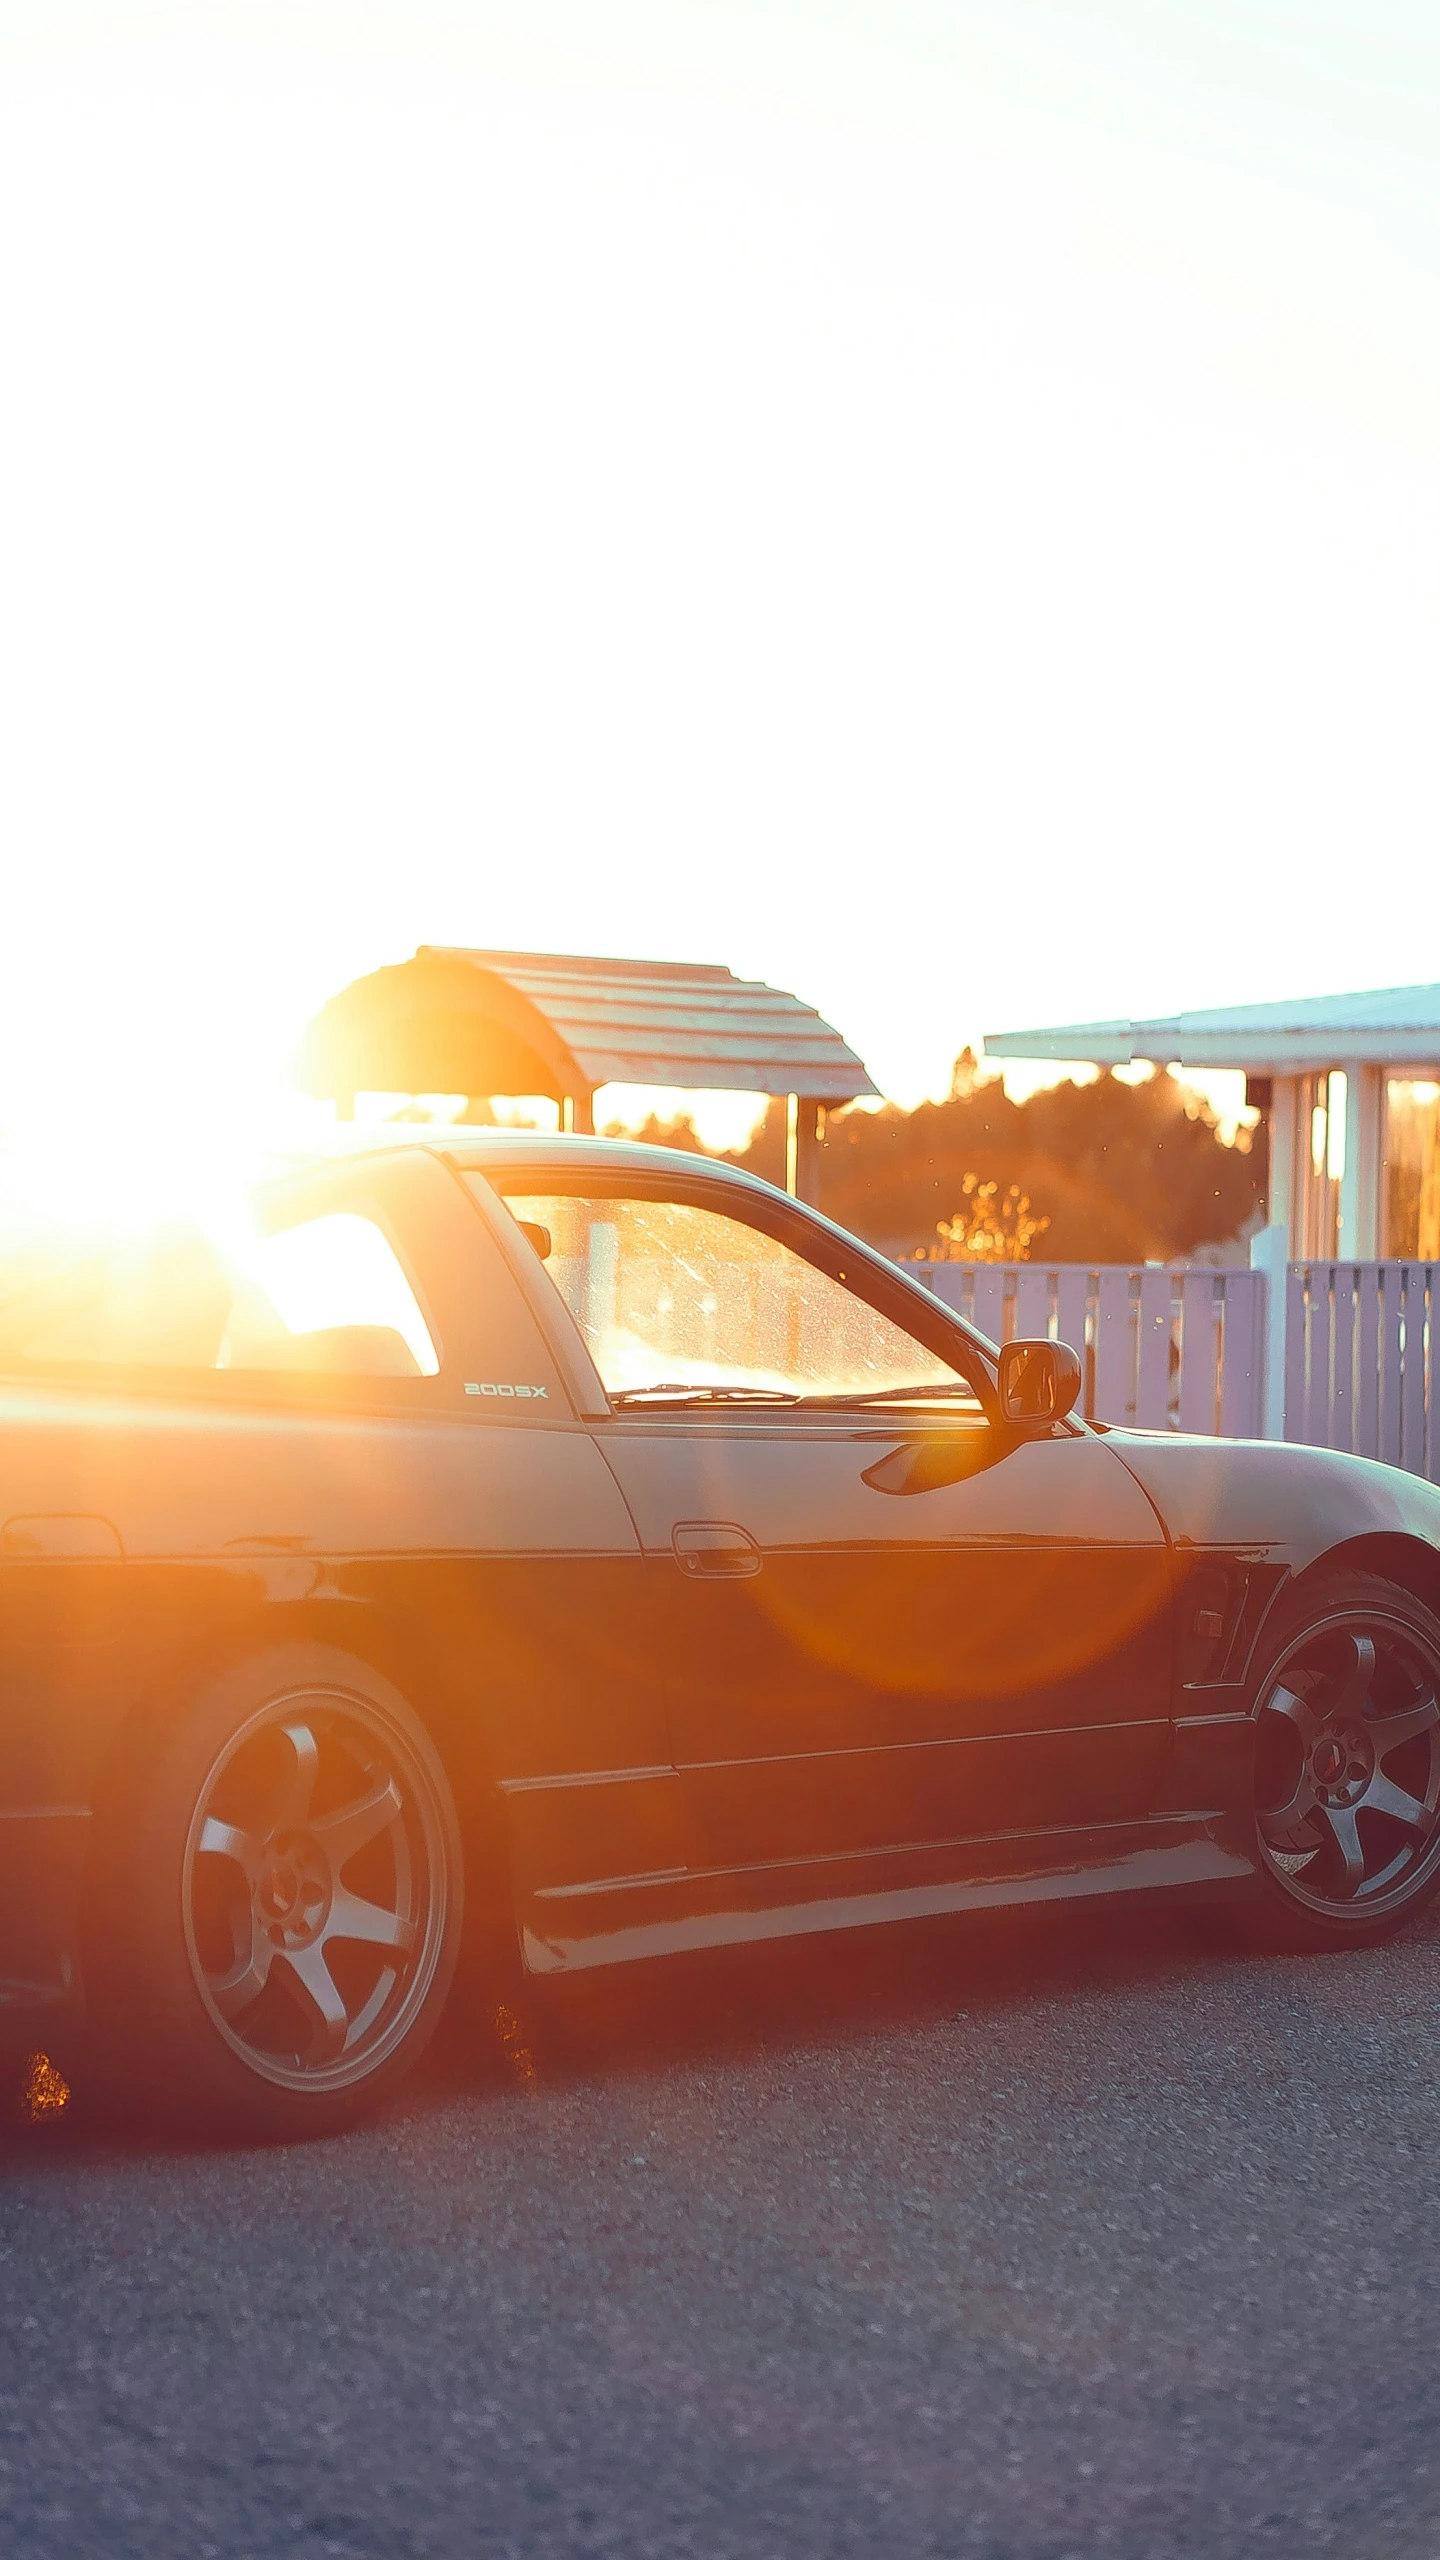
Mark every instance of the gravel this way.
pixel 1071 2237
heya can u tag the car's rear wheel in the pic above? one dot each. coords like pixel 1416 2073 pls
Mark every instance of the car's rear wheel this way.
pixel 277 1906
pixel 1347 1764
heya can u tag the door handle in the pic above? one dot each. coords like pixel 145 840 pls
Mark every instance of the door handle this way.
pixel 60 1533
pixel 713 1549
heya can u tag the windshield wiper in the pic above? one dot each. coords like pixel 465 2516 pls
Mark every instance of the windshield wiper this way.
pixel 705 1395
pixel 899 1395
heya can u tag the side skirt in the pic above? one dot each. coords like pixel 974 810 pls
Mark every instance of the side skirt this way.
pixel 632 1918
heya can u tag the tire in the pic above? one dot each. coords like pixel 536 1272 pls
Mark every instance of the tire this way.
pixel 276 1907
pixel 1347 1765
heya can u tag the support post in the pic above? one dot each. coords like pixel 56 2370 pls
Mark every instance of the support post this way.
pixel 804 1137
pixel 1284 1140
pixel 1270 1253
pixel 577 1113
pixel 1362 1183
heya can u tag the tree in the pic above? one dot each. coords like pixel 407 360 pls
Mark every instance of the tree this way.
pixel 986 1227
pixel 1103 1172
pixel 1118 1172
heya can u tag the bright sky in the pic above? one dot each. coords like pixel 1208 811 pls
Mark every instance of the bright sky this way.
pixel 930 502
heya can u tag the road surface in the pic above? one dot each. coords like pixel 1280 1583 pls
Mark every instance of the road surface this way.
pixel 1014 2242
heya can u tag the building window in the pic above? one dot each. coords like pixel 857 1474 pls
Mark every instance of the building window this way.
pixel 1412 1169
pixel 1319 1165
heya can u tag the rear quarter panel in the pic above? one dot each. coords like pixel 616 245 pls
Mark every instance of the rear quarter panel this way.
pixel 490 1571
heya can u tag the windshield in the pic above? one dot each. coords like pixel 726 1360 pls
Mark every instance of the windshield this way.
pixel 672 1298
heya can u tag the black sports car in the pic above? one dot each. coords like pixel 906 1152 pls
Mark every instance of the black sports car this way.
pixel 593 1538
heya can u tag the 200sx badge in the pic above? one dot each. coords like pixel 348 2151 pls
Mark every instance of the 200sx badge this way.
pixel 502 1387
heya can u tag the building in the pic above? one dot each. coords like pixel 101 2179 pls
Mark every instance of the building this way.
pixel 1349 1086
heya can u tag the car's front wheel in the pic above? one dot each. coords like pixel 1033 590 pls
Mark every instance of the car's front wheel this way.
pixel 277 1902
pixel 1347 1764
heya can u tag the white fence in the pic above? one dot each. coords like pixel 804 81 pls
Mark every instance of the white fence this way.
pixel 1360 1360
pixel 1163 1350
pixel 1187 1350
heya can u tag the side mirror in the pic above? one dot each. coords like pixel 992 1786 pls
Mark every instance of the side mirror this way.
pixel 1038 1381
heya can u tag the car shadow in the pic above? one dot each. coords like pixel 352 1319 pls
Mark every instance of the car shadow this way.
pixel 719 2006
pixel 808 1992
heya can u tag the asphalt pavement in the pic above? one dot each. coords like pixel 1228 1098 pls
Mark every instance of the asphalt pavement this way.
pixel 1015 2242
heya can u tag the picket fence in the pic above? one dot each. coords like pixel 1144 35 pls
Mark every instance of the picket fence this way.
pixel 1188 1350
pixel 1360 1360
pixel 1163 1350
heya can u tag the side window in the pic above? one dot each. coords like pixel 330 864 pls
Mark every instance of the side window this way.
pixel 668 1294
pixel 327 1295
pixel 333 1282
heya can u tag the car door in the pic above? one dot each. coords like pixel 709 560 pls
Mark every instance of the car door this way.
pixel 881 1628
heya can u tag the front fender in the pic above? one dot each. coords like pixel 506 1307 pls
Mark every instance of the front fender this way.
pixel 1295 1502
pixel 1251 1514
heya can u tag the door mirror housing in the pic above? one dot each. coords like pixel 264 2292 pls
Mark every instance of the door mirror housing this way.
pixel 1038 1381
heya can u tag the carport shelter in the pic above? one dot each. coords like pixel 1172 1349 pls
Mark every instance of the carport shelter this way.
pixel 487 1023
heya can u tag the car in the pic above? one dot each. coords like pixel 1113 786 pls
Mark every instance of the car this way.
pixel 563 1552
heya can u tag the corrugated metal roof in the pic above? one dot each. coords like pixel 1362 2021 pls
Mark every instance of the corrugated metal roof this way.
pixel 568 1023
pixel 1380 1026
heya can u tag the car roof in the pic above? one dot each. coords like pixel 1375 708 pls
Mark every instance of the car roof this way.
pixel 546 1149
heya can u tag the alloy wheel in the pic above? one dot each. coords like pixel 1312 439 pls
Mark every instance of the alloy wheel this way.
pixel 1348 1765
pixel 316 1890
